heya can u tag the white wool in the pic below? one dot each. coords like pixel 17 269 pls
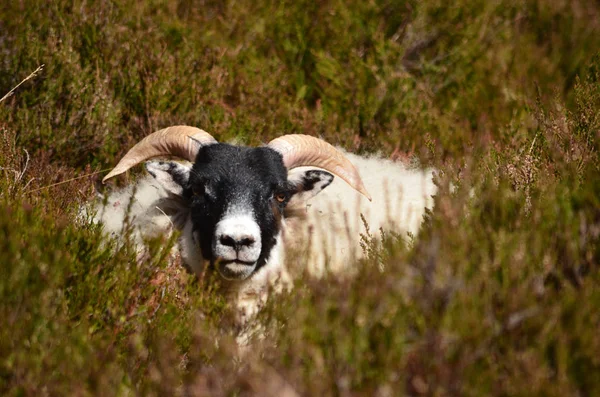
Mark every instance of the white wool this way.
pixel 137 207
pixel 333 224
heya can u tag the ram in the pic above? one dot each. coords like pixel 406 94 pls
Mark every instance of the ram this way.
pixel 239 208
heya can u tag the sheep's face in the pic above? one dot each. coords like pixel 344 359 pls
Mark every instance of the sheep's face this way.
pixel 237 196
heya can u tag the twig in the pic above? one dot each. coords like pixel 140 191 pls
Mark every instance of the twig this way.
pixel 27 184
pixel 25 167
pixel 32 75
pixel 68 180
pixel 533 142
pixel 162 295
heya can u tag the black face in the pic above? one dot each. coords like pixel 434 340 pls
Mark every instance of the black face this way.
pixel 227 179
pixel 236 197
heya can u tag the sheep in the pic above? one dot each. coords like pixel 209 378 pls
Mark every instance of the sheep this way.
pixel 239 208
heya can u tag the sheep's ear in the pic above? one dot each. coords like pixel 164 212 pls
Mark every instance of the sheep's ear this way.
pixel 170 175
pixel 308 184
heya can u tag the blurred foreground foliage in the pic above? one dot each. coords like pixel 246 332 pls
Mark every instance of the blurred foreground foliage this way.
pixel 498 295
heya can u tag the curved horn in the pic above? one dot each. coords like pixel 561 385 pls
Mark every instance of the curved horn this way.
pixel 304 150
pixel 179 141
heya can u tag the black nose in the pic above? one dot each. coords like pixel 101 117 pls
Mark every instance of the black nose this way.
pixel 237 244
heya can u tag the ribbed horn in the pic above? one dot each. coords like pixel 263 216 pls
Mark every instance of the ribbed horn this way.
pixel 304 150
pixel 178 141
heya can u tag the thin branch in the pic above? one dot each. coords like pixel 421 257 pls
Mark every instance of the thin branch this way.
pixel 68 180
pixel 32 75
pixel 25 167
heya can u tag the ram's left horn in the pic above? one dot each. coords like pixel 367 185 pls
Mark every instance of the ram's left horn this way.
pixel 304 150
pixel 177 141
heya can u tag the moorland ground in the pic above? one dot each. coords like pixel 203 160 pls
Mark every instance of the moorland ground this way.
pixel 497 295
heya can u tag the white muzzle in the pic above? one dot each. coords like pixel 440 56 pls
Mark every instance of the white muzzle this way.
pixel 237 246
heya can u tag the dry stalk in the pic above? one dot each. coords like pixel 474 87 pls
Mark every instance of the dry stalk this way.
pixel 32 75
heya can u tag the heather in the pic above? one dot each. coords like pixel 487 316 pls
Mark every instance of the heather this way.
pixel 498 293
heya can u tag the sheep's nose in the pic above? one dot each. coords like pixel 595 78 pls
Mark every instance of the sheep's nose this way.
pixel 237 238
pixel 237 242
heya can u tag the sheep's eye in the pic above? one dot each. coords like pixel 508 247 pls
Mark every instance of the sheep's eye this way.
pixel 198 191
pixel 280 197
